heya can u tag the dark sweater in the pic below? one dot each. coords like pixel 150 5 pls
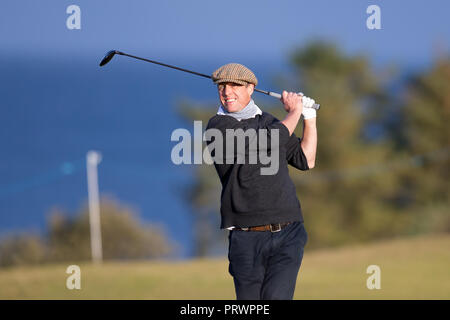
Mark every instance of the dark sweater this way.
pixel 249 198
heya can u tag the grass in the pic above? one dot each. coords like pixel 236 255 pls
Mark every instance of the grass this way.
pixel 411 268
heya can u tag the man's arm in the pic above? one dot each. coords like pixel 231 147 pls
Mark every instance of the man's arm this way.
pixel 309 141
pixel 294 106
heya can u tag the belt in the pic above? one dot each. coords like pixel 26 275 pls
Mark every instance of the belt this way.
pixel 274 227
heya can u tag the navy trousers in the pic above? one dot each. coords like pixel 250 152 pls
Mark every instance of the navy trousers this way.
pixel 265 264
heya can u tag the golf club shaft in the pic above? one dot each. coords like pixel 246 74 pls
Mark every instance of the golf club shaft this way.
pixel 269 93
pixel 164 64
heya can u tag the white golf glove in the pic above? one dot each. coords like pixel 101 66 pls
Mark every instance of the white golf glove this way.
pixel 308 112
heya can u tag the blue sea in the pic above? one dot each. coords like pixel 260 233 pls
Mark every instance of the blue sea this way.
pixel 53 110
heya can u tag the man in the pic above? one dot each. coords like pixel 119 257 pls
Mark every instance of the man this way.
pixel 262 212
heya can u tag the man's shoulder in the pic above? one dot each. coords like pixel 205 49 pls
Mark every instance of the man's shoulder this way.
pixel 268 118
pixel 219 121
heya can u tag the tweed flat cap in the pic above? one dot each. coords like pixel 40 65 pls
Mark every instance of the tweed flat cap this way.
pixel 234 72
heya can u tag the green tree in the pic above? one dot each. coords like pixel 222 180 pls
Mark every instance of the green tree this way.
pixel 123 235
pixel 204 193
pixel 22 249
pixel 347 197
pixel 68 238
pixel 426 135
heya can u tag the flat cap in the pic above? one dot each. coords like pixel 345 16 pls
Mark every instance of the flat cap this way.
pixel 234 72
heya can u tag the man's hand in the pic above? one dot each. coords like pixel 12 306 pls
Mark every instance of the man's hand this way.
pixel 308 112
pixel 292 101
pixel 293 105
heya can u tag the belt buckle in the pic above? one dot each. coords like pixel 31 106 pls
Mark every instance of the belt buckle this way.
pixel 276 227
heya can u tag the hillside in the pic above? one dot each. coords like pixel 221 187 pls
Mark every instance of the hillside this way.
pixel 411 268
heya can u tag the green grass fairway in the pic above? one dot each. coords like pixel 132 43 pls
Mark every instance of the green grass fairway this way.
pixel 411 268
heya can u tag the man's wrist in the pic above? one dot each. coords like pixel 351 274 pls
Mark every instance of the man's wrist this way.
pixel 310 121
pixel 295 111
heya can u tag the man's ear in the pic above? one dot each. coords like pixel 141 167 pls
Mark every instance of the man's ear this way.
pixel 250 88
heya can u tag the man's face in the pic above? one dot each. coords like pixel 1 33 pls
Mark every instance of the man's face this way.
pixel 234 97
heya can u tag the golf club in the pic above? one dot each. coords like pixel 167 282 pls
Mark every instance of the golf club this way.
pixel 110 54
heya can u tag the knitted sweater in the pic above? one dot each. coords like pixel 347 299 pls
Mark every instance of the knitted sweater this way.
pixel 248 197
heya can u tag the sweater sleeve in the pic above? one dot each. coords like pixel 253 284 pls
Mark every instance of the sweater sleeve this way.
pixel 295 155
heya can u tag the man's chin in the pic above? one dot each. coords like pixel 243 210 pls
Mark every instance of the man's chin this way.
pixel 232 109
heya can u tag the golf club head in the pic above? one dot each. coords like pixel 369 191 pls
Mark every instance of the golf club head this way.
pixel 108 56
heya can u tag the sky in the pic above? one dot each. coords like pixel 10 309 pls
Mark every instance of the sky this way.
pixel 412 32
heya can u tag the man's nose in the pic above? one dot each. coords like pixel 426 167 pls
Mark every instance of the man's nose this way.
pixel 227 89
